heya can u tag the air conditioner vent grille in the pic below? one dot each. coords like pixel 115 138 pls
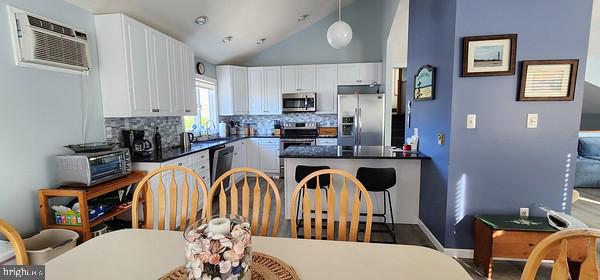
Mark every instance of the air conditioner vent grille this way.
pixel 59 50
pixel 33 21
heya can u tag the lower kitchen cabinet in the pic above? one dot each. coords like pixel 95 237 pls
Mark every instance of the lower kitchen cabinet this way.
pixel 263 154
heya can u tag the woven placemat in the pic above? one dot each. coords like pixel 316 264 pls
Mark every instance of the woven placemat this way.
pixel 263 267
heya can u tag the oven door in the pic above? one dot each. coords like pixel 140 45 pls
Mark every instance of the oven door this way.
pixel 106 167
pixel 285 143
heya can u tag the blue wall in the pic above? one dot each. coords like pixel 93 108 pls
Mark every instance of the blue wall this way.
pixel 370 20
pixel 430 41
pixel 40 112
pixel 501 165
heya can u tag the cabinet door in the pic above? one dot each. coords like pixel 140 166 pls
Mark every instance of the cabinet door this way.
pixel 255 91
pixel 369 73
pixel 190 102
pixel 161 69
pixel 306 78
pixel 242 153
pixel 252 153
pixel 348 74
pixel 177 87
pixel 327 88
pixel 269 158
pixel 139 69
pixel 289 74
pixel 272 90
pixel 240 89
pixel 225 90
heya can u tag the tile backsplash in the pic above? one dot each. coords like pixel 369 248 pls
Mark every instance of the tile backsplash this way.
pixel 264 124
pixel 168 127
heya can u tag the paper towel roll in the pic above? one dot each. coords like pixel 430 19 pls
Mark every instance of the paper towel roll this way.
pixel 222 129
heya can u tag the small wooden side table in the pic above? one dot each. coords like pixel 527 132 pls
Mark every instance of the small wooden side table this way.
pixel 83 195
pixel 504 236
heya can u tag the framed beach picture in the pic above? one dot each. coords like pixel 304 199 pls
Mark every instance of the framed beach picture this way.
pixel 548 80
pixel 425 83
pixel 493 55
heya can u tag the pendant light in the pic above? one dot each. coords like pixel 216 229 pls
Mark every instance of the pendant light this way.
pixel 339 33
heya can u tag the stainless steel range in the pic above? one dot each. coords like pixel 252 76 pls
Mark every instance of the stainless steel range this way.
pixel 297 134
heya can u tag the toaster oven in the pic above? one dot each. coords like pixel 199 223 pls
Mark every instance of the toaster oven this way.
pixel 88 169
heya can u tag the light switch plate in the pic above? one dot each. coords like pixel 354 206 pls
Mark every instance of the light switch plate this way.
pixel 524 213
pixel 471 121
pixel 532 120
pixel 441 138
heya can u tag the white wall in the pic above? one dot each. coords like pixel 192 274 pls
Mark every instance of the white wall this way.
pixel 396 56
pixel 40 111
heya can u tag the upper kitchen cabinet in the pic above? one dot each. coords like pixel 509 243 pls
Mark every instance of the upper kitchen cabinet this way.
pixel 140 75
pixel 264 86
pixel 327 88
pixel 232 89
pixel 359 73
pixel 298 78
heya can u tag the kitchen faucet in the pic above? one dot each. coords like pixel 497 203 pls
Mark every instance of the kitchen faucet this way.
pixel 209 123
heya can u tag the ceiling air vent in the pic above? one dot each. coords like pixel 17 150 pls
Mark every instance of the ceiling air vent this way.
pixel 42 42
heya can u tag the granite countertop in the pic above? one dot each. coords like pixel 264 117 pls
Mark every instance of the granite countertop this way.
pixel 348 152
pixel 176 152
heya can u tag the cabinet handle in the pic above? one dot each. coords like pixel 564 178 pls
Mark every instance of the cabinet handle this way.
pixel 157 110
pixel 187 110
pixel 180 164
pixel 235 154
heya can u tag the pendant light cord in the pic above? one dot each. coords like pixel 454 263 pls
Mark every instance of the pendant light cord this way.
pixel 340 10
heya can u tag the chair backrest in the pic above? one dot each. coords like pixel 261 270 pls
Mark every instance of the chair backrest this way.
pixel 255 219
pixel 15 240
pixel 376 179
pixel 360 193
pixel 560 269
pixel 179 180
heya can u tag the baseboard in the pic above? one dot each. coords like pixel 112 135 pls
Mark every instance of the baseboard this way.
pixel 457 253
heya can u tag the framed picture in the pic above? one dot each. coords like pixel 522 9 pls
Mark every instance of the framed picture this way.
pixel 548 80
pixel 425 83
pixel 493 55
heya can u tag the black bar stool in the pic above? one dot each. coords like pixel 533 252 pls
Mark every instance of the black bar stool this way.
pixel 380 180
pixel 302 171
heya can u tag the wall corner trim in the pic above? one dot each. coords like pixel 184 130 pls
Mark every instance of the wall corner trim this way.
pixel 455 253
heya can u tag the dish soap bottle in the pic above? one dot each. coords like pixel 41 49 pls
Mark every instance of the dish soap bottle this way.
pixel 157 140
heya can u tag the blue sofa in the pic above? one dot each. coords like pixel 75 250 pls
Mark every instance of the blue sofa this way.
pixel 587 173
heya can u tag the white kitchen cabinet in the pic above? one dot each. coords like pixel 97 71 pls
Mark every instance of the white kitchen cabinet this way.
pixel 263 154
pixel 264 87
pixel 239 156
pixel 359 73
pixel 137 69
pixel 298 78
pixel 182 74
pixel 327 88
pixel 326 141
pixel 232 90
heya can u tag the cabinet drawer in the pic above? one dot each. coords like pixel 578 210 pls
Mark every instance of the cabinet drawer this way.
pixel 203 166
pixel 200 156
pixel 182 161
pixel 269 141
pixel 326 141
pixel 206 178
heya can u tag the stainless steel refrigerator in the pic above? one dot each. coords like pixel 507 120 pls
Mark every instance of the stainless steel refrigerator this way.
pixel 360 116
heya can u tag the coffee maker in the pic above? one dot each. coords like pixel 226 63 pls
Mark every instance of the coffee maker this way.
pixel 135 141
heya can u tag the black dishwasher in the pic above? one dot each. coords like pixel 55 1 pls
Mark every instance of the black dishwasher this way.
pixel 220 162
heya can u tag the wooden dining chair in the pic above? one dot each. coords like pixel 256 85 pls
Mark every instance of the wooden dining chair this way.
pixel 360 194
pixel 264 221
pixel 16 241
pixel 178 180
pixel 560 269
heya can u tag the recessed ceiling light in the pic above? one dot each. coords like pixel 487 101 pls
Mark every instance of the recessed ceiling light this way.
pixel 227 39
pixel 201 20
pixel 260 41
pixel 303 17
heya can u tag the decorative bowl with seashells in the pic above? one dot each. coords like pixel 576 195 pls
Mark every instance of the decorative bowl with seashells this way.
pixel 218 247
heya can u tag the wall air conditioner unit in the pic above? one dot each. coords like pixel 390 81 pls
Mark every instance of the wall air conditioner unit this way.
pixel 43 43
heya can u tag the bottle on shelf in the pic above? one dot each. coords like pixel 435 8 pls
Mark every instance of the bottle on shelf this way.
pixel 157 139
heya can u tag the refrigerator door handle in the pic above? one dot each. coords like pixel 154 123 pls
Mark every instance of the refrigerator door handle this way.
pixel 355 126
pixel 359 126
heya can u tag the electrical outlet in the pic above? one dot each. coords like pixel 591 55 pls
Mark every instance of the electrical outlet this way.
pixel 441 138
pixel 471 121
pixel 532 120
pixel 524 213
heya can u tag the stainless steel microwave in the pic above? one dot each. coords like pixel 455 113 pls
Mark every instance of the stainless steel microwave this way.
pixel 88 169
pixel 299 102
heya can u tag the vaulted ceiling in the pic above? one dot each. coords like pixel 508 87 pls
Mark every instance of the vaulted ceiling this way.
pixel 245 20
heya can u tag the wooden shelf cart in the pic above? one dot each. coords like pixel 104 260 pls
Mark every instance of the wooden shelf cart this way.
pixel 83 195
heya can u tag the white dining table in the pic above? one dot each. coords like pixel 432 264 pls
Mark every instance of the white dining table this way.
pixel 151 254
